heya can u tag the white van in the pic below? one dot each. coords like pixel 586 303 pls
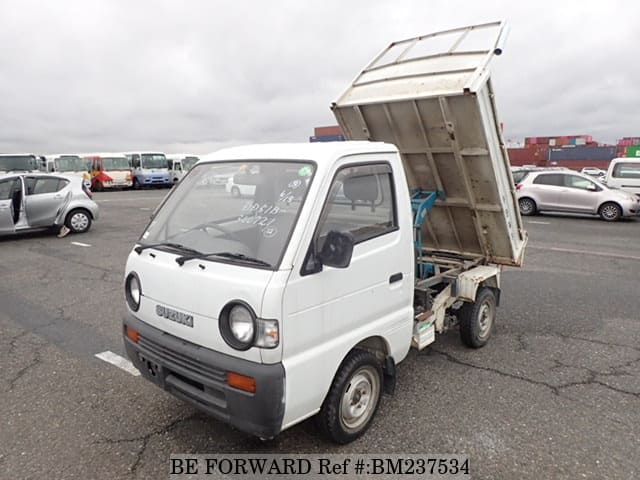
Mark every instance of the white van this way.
pixel 303 297
pixel 624 173
pixel 180 164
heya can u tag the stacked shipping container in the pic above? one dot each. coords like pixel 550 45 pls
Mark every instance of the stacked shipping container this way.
pixel 332 133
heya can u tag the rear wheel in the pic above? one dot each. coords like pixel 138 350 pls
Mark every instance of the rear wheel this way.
pixel 610 212
pixel 527 206
pixel 235 191
pixel 477 319
pixel 353 398
pixel 78 220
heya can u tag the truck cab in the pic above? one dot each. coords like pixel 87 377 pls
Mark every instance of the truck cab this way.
pixel 272 286
pixel 179 164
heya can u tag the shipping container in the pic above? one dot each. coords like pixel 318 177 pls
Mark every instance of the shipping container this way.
pixel 580 164
pixel 331 130
pixel 583 153
pixel 327 138
pixel 633 151
pixel 532 155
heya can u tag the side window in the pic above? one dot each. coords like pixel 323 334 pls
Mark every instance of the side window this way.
pixel 554 179
pixel 573 181
pixel 361 201
pixel 8 187
pixel 47 185
pixel 627 170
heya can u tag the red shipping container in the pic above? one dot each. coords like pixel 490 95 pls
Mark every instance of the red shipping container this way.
pixel 327 131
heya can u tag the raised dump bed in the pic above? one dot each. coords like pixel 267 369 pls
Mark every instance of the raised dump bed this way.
pixel 432 97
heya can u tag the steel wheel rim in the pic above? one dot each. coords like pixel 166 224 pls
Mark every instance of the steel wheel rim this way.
pixel 485 319
pixel 79 221
pixel 610 212
pixel 359 399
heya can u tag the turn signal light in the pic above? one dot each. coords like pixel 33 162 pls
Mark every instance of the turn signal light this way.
pixel 241 382
pixel 132 334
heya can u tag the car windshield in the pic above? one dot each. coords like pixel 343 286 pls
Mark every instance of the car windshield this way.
pixel 115 163
pixel 154 160
pixel 70 164
pixel 252 228
pixel 19 163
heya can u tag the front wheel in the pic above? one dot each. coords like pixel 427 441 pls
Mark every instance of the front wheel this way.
pixel 353 398
pixel 136 184
pixel 610 212
pixel 78 221
pixel 235 192
pixel 477 318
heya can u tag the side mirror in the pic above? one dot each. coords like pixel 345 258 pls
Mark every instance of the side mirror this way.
pixel 337 249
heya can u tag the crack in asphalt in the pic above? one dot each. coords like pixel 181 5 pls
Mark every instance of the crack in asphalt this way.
pixel 592 378
pixel 598 342
pixel 21 373
pixel 144 439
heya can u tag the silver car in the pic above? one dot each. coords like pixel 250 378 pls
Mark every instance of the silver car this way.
pixel 573 192
pixel 30 201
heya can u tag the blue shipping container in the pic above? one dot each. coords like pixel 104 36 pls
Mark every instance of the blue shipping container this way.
pixel 582 153
pixel 327 138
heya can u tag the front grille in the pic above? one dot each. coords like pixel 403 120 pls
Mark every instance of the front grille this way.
pixel 188 366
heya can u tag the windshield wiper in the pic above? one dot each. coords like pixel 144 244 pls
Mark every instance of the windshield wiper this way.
pixel 175 246
pixel 235 256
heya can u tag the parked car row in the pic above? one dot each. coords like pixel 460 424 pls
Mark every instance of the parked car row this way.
pixel 104 171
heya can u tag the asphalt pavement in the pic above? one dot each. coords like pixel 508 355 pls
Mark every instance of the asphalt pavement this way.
pixel 555 394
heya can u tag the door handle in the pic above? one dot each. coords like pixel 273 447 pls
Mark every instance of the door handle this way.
pixel 396 277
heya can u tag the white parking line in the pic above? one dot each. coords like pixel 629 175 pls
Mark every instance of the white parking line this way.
pixel 595 253
pixel 539 223
pixel 80 244
pixel 119 362
pixel 145 208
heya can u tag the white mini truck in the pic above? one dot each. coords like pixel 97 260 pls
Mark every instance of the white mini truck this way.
pixel 301 299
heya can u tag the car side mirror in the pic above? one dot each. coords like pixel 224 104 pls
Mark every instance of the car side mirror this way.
pixel 337 249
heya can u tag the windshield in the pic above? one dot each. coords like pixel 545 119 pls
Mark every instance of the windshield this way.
pixel 115 163
pixel 70 164
pixel 19 163
pixel 189 162
pixel 253 219
pixel 154 160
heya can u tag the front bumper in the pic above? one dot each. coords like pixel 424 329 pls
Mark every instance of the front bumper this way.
pixel 197 375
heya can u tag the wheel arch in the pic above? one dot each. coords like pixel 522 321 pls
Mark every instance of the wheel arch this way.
pixel 610 201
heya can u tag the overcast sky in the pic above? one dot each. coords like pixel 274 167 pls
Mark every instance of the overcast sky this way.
pixel 195 76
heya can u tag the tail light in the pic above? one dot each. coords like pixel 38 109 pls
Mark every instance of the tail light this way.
pixel 519 186
pixel 87 192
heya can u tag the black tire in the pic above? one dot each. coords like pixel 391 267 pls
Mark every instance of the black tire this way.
pixel 478 318
pixel 359 379
pixel 527 206
pixel 235 192
pixel 610 212
pixel 78 220
pixel 136 184
pixel 97 186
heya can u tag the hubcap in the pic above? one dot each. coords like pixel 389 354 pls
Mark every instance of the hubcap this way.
pixel 79 221
pixel 485 319
pixel 360 398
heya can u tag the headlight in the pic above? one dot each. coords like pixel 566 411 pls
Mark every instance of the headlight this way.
pixel 238 325
pixel 241 329
pixel 132 291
